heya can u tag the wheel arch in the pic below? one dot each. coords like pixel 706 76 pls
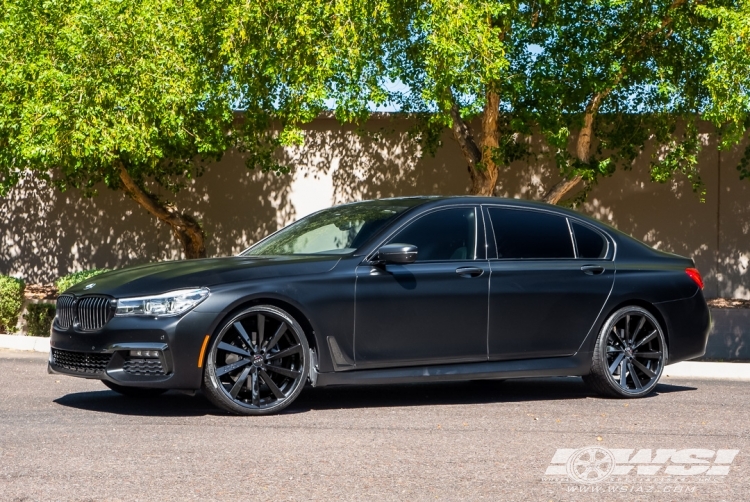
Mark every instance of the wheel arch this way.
pixel 283 303
pixel 650 307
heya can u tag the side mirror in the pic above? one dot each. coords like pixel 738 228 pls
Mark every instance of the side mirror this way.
pixel 397 253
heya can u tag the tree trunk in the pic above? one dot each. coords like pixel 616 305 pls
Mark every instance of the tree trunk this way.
pixel 583 149
pixel 186 229
pixel 481 166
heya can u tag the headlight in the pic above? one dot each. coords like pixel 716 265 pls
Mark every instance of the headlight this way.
pixel 164 305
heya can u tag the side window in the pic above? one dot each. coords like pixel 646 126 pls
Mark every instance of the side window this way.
pixel 447 234
pixel 521 234
pixel 590 243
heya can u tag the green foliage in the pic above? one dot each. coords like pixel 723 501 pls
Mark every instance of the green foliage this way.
pixel 89 85
pixel 451 53
pixel 728 77
pixel 68 281
pixel 39 317
pixel 729 71
pixel 647 61
pixel 11 302
pixel 289 60
pixel 643 70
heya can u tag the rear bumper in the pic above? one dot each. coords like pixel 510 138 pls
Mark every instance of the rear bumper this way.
pixel 688 326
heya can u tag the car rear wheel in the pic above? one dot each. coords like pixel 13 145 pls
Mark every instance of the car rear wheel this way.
pixel 629 355
pixel 258 362
pixel 134 391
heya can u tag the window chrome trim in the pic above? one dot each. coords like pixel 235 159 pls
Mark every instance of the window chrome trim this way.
pixel 611 245
pixel 572 238
pixel 371 256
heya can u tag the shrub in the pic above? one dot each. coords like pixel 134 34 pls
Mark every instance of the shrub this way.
pixel 39 318
pixel 70 280
pixel 11 302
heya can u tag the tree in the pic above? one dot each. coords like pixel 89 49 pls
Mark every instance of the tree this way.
pixel 621 74
pixel 125 92
pixel 456 59
pixel 306 56
pixel 599 77
pixel 728 78
pixel 137 94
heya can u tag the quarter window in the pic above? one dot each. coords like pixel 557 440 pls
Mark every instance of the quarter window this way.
pixel 590 243
pixel 447 234
pixel 521 234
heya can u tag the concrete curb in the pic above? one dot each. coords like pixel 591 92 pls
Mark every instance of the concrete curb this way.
pixel 21 342
pixel 704 370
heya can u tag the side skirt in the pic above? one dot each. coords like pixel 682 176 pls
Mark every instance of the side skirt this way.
pixel 575 365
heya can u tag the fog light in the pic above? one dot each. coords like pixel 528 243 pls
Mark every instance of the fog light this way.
pixel 145 354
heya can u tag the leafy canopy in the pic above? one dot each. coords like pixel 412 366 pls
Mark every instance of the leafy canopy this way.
pixel 728 79
pixel 87 85
pixel 640 70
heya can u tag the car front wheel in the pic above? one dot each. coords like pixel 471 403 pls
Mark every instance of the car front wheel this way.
pixel 629 355
pixel 258 362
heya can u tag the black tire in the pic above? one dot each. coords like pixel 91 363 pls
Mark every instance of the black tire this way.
pixel 134 391
pixel 629 355
pixel 258 362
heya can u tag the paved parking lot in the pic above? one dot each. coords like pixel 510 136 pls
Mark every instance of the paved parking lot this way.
pixel 71 439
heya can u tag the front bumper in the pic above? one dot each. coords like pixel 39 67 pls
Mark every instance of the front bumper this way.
pixel 106 354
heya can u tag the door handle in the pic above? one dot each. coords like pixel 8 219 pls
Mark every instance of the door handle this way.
pixel 469 271
pixel 592 269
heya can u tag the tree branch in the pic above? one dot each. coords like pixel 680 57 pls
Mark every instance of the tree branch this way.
pixel 187 230
pixel 147 200
pixel 465 139
pixel 583 146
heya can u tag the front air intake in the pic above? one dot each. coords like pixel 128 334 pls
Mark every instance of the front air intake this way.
pixel 81 362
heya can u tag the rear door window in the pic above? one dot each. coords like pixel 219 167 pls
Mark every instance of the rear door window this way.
pixel 590 243
pixel 530 235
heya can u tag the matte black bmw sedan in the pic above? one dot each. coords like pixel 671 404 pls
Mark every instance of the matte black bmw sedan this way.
pixel 387 291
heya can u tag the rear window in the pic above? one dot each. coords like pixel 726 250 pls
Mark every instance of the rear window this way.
pixel 522 234
pixel 590 243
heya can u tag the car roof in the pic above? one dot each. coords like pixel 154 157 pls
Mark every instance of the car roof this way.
pixel 632 246
pixel 439 200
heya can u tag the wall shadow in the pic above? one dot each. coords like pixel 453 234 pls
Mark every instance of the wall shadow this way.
pixel 45 234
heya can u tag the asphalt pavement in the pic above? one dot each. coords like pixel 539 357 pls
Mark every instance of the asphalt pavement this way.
pixel 70 439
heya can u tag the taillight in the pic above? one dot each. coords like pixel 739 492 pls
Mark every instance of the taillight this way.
pixel 695 275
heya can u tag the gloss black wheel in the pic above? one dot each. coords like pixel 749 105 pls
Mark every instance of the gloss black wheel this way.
pixel 258 362
pixel 629 355
pixel 134 391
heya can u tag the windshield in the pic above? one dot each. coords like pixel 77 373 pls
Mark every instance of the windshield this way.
pixel 339 230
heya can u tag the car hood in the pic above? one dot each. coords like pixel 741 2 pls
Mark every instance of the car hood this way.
pixel 155 278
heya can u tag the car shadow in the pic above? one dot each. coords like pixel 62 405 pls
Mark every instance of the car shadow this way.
pixel 454 393
pixel 173 404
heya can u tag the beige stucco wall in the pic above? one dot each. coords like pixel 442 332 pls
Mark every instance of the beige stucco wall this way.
pixel 45 233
